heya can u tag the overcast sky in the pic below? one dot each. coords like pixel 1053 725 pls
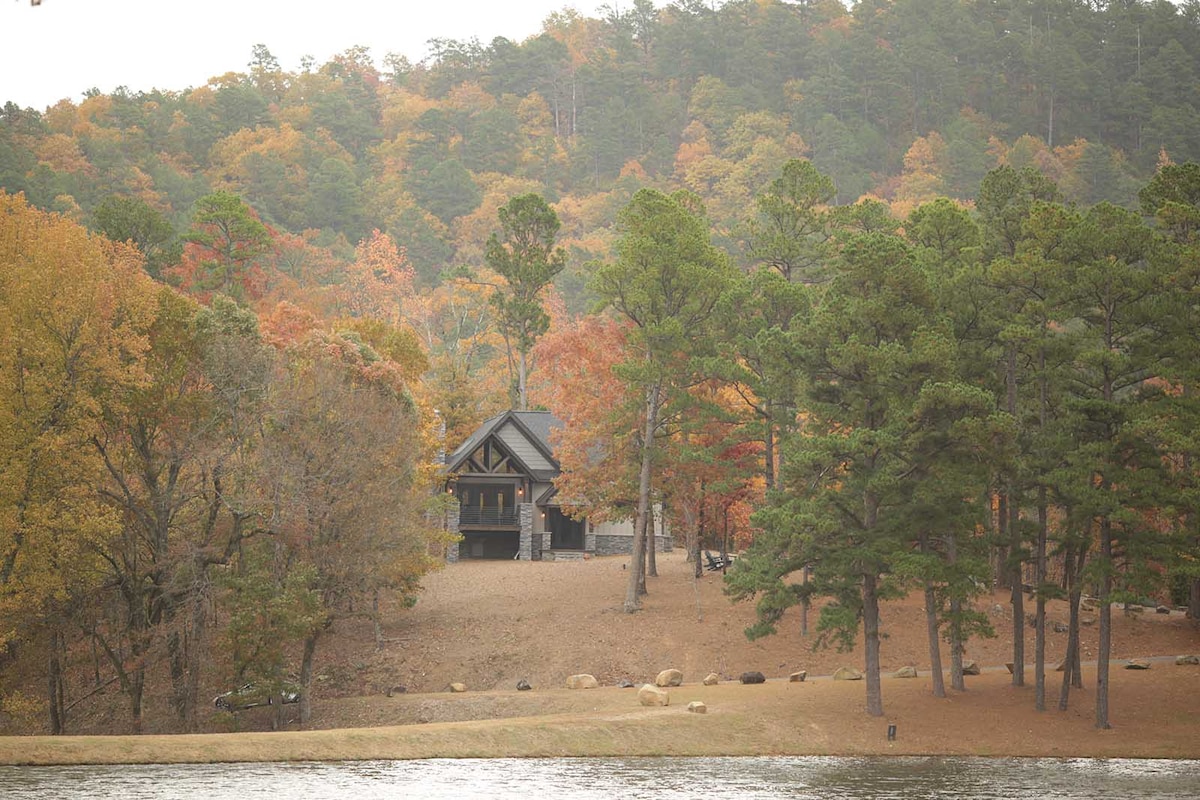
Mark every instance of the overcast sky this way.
pixel 64 47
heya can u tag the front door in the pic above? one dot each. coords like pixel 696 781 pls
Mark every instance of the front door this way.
pixel 565 533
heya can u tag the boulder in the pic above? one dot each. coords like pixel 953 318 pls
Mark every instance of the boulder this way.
pixel 1161 610
pixel 1181 661
pixel 625 683
pixel 458 688
pixel 1060 627
pixel 905 672
pixel 394 690
pixel 1087 622
pixel 752 677
pixel 847 674
pixel 711 679
pixel 583 681
pixel 523 685
pixel 1138 663
pixel 798 677
pixel 697 707
pixel 650 695
pixel 669 677
pixel 970 668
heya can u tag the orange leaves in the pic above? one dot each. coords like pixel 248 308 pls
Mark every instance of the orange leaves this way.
pixel 379 280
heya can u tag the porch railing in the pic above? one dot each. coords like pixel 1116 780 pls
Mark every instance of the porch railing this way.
pixel 489 515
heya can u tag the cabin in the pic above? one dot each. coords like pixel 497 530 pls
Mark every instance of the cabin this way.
pixel 508 506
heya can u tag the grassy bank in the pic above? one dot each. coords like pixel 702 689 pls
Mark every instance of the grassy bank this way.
pixel 1156 714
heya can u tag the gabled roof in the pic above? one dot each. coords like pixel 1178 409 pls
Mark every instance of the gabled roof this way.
pixel 535 426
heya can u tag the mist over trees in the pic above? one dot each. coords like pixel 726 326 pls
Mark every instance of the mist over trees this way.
pixel 892 298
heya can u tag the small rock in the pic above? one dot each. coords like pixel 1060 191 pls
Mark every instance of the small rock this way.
pixel 798 677
pixel 523 685
pixel 458 688
pixel 394 690
pixel 711 679
pixel 650 695
pixel 905 672
pixel 1060 628
pixel 997 609
pixel 1138 663
pixel 697 707
pixel 669 677
pixel 1134 610
pixel 1161 610
pixel 583 681
pixel 752 677
pixel 847 674
pixel 625 683
pixel 970 668
pixel 1181 661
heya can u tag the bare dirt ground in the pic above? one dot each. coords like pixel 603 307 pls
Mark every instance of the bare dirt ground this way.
pixel 490 624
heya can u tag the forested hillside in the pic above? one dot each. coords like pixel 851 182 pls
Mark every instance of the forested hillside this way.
pixel 896 296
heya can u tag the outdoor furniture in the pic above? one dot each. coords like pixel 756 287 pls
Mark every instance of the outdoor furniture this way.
pixel 714 563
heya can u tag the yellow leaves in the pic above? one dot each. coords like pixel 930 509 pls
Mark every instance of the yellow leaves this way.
pixel 73 311
pixel 401 108
pixel 470 98
pixel 62 154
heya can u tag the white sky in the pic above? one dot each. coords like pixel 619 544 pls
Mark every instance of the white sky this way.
pixel 64 47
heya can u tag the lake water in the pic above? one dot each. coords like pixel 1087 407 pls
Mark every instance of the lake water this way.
pixel 596 778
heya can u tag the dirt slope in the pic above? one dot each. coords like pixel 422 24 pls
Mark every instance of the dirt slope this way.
pixel 491 624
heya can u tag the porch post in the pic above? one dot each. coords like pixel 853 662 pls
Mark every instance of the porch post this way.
pixel 525 549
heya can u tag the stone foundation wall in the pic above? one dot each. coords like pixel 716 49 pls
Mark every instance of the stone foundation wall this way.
pixel 616 545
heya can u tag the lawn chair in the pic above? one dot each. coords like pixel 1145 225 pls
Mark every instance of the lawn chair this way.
pixel 714 563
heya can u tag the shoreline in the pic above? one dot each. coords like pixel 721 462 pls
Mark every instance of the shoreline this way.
pixel 821 718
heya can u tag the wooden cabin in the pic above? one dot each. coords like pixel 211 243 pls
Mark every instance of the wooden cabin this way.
pixel 508 507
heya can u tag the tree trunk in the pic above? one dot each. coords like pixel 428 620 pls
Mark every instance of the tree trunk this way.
pixel 522 364
pixel 871 640
pixel 931 628
pixel 769 449
pixel 956 637
pixel 56 685
pixel 306 674
pixel 1017 594
pixel 651 547
pixel 804 601
pixel 637 573
pixel 935 651
pixel 1039 646
pixel 1105 647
